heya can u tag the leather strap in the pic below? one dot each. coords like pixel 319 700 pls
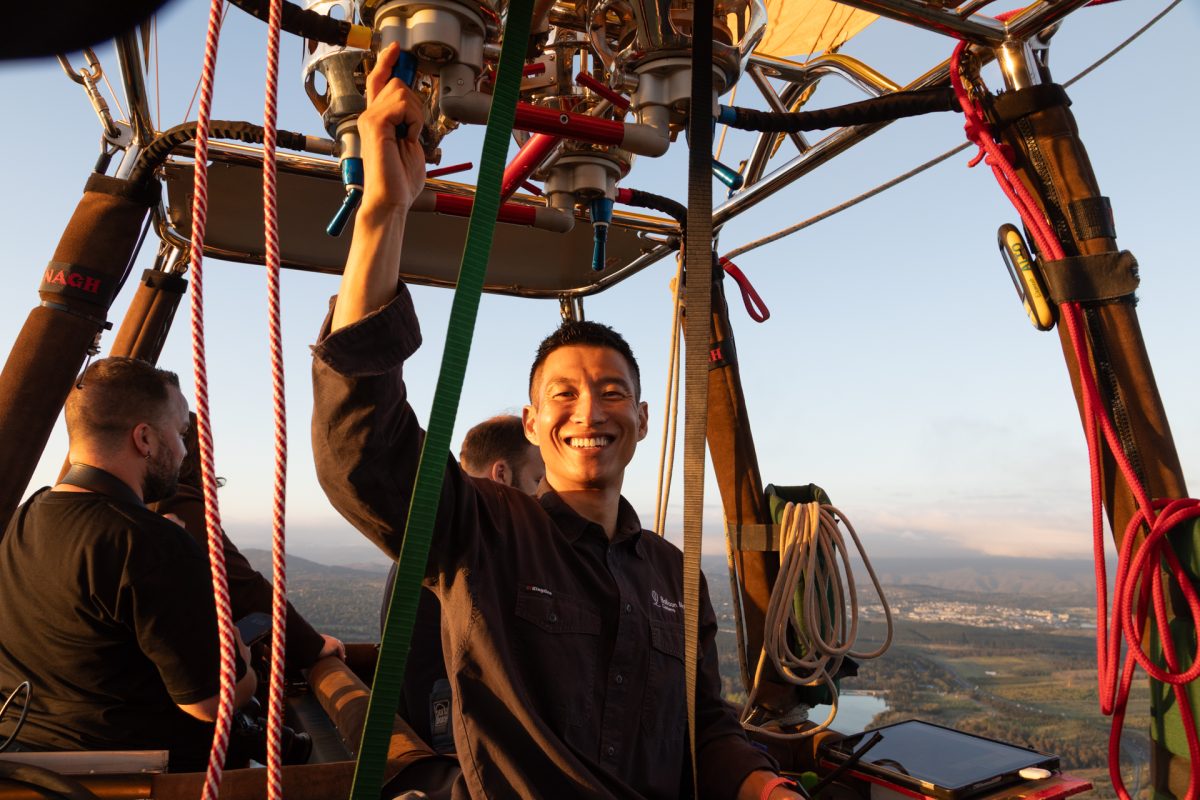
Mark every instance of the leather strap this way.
pixel 1092 218
pixel 1013 105
pixel 1087 279
pixel 97 480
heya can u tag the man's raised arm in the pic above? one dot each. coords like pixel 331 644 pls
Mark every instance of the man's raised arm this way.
pixel 366 440
pixel 394 176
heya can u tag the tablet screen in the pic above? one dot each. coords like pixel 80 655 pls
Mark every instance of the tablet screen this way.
pixel 948 759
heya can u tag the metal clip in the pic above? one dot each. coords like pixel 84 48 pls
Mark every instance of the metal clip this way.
pixel 88 78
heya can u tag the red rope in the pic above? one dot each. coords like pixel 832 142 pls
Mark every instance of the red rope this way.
pixel 212 518
pixel 1138 581
pixel 278 550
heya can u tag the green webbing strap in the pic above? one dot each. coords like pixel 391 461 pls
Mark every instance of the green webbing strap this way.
pixel 422 512
pixel 699 263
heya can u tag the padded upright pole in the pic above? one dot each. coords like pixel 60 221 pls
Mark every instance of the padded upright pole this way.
pixel 1053 163
pixel 144 330
pixel 78 287
pixel 735 466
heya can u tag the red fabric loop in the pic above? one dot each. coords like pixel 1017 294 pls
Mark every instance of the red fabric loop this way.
pixel 755 306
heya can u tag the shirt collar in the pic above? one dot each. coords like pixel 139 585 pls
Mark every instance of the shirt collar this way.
pixel 573 526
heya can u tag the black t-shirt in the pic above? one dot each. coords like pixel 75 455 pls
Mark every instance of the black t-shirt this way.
pixel 106 608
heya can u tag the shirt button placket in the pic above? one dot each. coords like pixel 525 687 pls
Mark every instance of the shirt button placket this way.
pixel 618 688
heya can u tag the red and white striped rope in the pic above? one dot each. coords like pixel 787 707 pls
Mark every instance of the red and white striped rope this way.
pixel 212 518
pixel 278 552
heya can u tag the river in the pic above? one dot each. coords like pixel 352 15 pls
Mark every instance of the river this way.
pixel 855 712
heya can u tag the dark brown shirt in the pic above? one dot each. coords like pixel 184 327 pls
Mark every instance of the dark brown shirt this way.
pixel 248 589
pixel 565 650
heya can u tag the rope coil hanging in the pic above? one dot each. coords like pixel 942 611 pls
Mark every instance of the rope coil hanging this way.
pixel 806 635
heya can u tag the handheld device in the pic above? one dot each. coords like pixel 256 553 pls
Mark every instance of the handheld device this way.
pixel 254 627
pixel 938 762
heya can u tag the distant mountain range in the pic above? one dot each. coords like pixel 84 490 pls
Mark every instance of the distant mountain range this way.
pixel 307 569
pixel 344 600
pixel 988 574
pixel 972 574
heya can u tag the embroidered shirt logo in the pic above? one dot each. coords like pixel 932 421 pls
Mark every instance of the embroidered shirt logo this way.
pixel 529 587
pixel 658 601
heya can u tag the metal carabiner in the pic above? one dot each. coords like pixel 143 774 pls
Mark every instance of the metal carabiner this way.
pixel 89 55
pixel 87 78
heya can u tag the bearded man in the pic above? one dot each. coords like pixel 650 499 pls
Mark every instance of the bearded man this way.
pixel 108 607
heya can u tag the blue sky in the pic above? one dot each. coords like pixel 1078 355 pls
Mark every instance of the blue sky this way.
pixel 897 370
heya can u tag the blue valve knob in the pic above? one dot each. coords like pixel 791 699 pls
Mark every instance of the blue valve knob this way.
pixel 601 209
pixel 406 70
pixel 727 175
pixel 352 179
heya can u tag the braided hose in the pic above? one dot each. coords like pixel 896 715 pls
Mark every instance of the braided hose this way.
pixel 157 151
pixel 885 108
pixel 303 23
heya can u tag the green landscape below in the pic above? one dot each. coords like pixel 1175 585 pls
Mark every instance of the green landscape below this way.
pixel 1001 647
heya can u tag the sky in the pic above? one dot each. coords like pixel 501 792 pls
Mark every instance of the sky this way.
pixel 898 370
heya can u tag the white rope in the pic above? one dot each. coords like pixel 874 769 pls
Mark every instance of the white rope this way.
pixel 807 631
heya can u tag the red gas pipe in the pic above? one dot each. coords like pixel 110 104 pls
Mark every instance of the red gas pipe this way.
pixel 531 155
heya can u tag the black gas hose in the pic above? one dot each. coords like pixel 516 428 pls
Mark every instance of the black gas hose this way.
pixel 656 202
pixel 884 108
pixel 303 22
pixel 161 146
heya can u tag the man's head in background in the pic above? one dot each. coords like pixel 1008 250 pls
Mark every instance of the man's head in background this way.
pixel 129 418
pixel 497 449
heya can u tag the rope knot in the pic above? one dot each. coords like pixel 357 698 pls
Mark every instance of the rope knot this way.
pixel 977 129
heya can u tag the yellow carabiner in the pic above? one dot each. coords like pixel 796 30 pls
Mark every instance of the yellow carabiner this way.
pixel 1022 268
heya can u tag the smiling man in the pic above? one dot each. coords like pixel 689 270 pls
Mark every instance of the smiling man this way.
pixel 562 616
